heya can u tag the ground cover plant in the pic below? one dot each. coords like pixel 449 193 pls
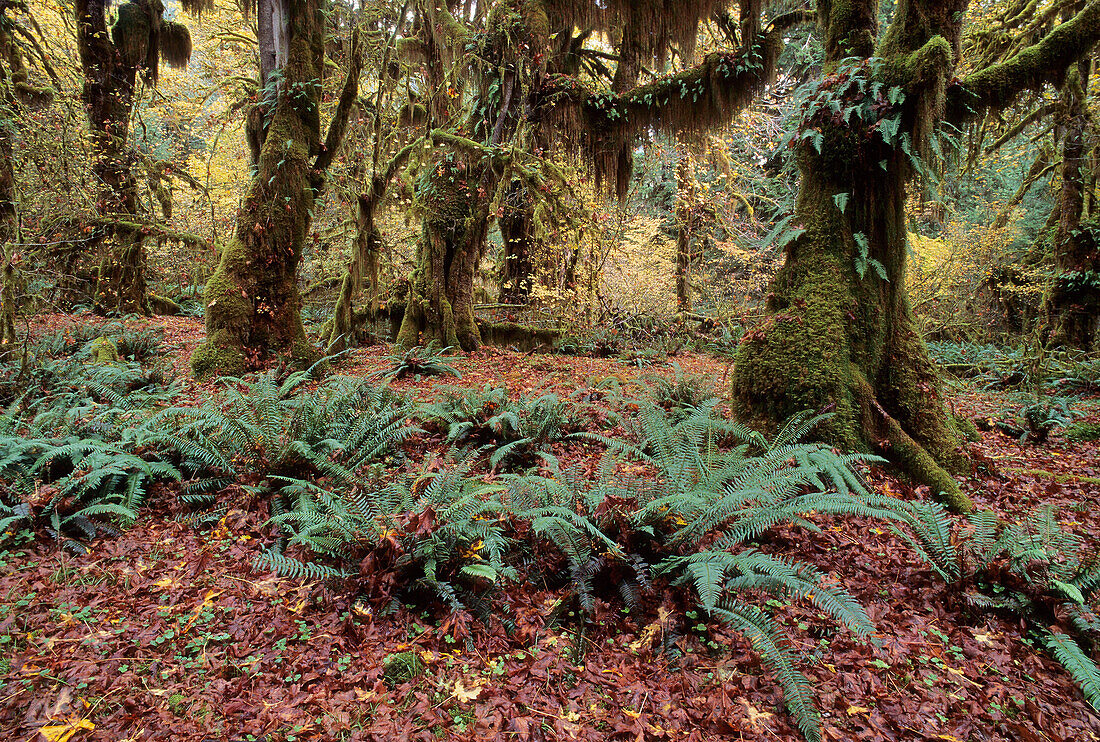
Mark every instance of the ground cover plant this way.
pixel 327 525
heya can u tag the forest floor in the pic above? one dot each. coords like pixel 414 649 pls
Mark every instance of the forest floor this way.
pixel 168 633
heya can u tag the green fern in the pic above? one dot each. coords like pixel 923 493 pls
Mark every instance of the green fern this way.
pixel 1078 664
pixel 430 360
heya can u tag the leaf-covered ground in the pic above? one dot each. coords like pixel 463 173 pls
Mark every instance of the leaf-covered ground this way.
pixel 168 633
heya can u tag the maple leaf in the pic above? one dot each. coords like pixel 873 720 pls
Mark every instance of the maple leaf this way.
pixel 464 694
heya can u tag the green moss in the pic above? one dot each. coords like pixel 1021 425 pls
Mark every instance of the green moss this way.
pixel 523 337
pixel 402 667
pixel 1083 432
pixel 104 351
pixel 220 355
pixel 968 429
pixel 163 305
pixel 915 461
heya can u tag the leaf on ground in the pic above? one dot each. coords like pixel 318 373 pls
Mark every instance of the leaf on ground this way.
pixel 64 732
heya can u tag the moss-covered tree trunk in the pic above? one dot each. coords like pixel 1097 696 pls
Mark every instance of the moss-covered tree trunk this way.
pixel 440 304
pixel 839 335
pixel 8 220
pixel 110 61
pixel 1072 306
pixel 108 95
pixel 252 301
pixel 517 232
pixel 844 342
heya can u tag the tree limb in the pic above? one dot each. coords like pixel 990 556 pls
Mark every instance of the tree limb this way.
pixel 998 85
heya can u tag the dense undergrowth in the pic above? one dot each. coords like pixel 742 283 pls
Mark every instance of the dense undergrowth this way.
pixel 681 502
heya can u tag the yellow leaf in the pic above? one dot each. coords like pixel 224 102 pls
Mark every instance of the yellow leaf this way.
pixel 754 714
pixel 65 732
pixel 853 710
pixel 464 694
pixel 206 602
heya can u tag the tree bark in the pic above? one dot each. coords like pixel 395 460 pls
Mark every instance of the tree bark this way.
pixel 108 96
pixel 517 234
pixel 253 306
pixel 440 301
pixel 1072 306
pixel 840 335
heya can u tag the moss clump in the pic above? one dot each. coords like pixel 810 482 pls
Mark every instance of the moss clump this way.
pixel 218 356
pixel 968 429
pixel 401 668
pixel 104 351
pixel 1083 432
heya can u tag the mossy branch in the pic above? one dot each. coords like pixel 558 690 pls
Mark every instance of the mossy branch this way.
pixel 125 222
pixel 998 85
pixel 348 96
pixel 1015 130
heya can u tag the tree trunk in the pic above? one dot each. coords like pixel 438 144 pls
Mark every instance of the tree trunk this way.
pixel 9 277
pixel 1072 306
pixel 108 96
pixel 840 335
pixel 844 343
pixel 440 301
pixel 686 200
pixel 253 306
pixel 517 233
pixel 339 332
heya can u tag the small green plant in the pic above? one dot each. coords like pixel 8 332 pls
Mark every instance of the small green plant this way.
pixel 1083 432
pixel 440 532
pixel 430 360
pixel 270 427
pixel 518 430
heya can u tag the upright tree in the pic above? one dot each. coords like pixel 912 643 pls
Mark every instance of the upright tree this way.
pixel 1072 305
pixel 252 301
pixel 839 334
pixel 110 59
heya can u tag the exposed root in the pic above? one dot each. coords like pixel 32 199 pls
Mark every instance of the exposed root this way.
pixel 911 457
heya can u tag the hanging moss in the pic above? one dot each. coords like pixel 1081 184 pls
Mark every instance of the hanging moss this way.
pixel 175 44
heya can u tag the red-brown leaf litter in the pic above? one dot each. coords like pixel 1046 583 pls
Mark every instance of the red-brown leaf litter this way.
pixel 168 633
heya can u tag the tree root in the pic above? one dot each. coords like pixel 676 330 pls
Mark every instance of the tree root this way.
pixel 910 456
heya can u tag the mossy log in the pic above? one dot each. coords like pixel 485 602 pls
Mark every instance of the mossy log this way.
pixel 162 305
pixel 523 337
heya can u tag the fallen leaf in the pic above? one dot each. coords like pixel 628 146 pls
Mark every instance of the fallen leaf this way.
pixel 464 694
pixel 65 732
pixel 755 714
